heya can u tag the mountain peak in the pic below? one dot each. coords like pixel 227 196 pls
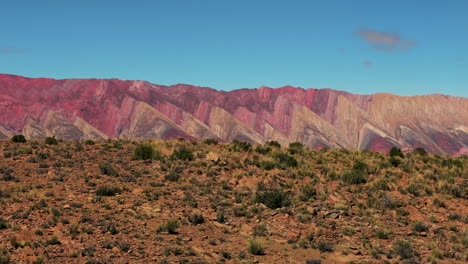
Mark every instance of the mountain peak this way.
pixel 91 108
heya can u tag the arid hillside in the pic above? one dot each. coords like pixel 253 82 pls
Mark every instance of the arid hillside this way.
pixel 109 108
pixel 177 201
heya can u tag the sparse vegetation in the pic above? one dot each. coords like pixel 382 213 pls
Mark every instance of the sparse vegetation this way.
pixel 18 139
pixel 146 152
pixel 113 200
pixel 107 191
pixel 51 141
pixel 256 246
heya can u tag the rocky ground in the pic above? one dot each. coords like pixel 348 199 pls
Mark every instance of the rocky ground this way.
pixel 202 202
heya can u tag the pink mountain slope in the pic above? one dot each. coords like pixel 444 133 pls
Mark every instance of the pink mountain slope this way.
pixel 111 108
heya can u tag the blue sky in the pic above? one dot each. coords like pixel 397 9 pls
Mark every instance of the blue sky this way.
pixel 402 47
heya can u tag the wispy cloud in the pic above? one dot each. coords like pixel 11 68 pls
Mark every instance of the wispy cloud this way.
pixel 7 50
pixel 460 59
pixel 367 64
pixel 385 41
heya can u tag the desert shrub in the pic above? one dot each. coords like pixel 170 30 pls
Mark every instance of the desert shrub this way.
pixel 382 233
pixel 286 161
pixel 395 152
pixel 260 230
pixel 419 226
pixel 182 153
pixel 420 151
pixel 240 211
pixel 146 152
pixel 273 144
pixel 357 175
pixel 256 246
pixel 307 192
pixel 394 161
pixel 51 141
pixel 4 257
pixel 415 189
pixel 18 139
pixel 171 227
pixel 404 249
pixel 210 141
pixel 107 169
pixel 273 199
pixel 240 146
pixel 451 189
pixel 451 216
pixel 295 148
pixel 353 177
pixel 7 175
pixel 263 150
pixel 3 224
pixel 89 142
pixel 360 166
pixel 53 241
pixel 196 219
pixel 221 217
pixel 172 176
pixel 313 261
pixel 325 247
pixel 108 191
pixel 267 164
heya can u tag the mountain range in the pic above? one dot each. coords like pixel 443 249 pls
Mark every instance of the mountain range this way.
pixel 318 118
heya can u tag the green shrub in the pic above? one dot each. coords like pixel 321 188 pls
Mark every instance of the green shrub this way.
pixel 382 233
pixel 263 150
pixel 273 199
pixel 108 191
pixel 419 226
pixel 196 219
pixel 240 146
pixel 360 166
pixel 295 148
pixel 260 230
pixel 89 142
pixel 221 218
pixel 256 246
pixel 171 226
pixel 286 161
pixel 354 177
pixel 146 152
pixel 108 169
pixel 172 176
pixel 415 189
pixel 404 249
pixel 395 152
pixel 421 151
pixel 313 261
pixel 267 164
pixel 394 161
pixel 182 153
pixel 51 141
pixel 273 144
pixel 210 141
pixel 53 241
pixel 18 139
pixel 308 192
pixel 325 247
pixel 3 224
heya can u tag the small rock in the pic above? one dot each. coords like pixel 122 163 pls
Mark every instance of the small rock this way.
pixel 333 215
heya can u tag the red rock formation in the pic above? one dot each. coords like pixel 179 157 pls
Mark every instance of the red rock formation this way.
pixel 110 108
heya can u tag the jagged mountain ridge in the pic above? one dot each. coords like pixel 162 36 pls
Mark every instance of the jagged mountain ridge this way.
pixel 111 108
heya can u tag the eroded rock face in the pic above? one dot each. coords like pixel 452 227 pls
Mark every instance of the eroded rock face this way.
pixel 111 108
